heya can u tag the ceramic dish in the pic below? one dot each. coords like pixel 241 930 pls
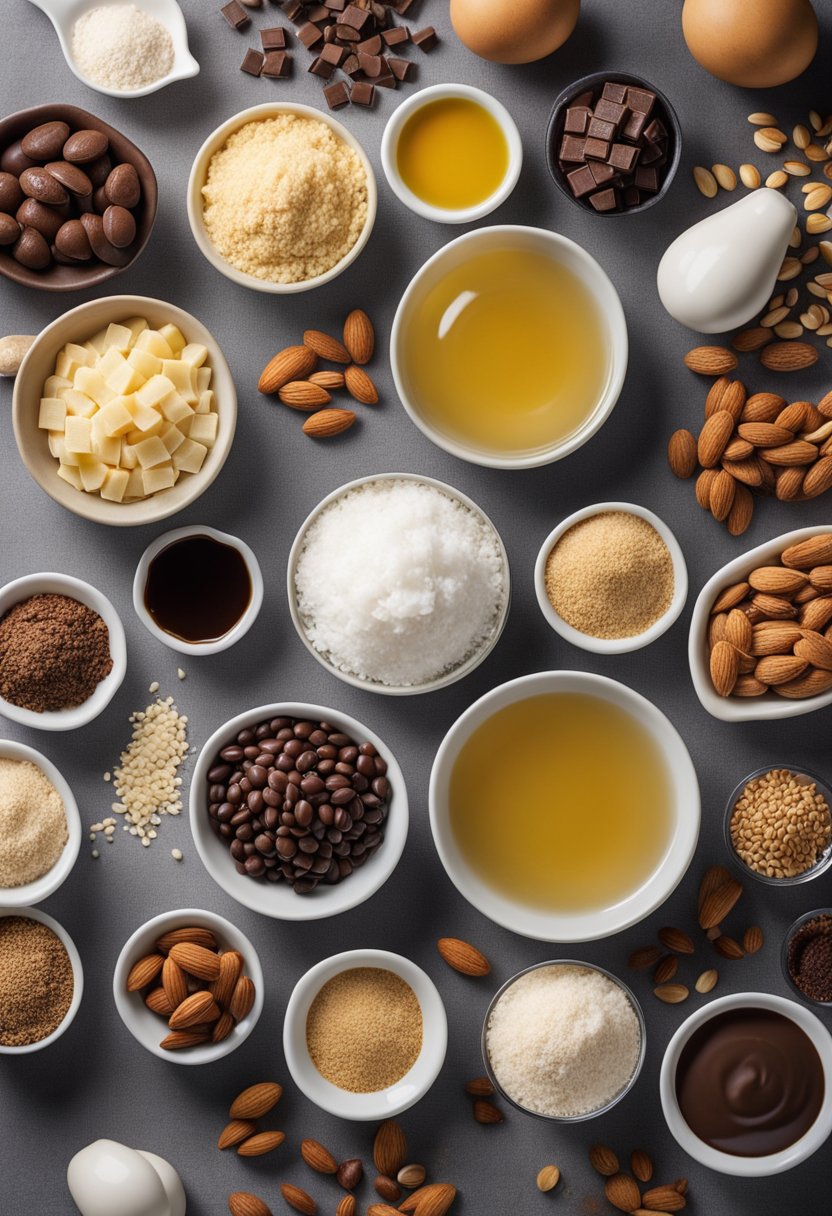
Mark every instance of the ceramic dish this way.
pixel 804 778
pixel 744 709
pixel 243 624
pixel 546 244
pixel 77 715
pixel 396 690
pixel 85 274
pixel 33 892
pixel 386 1103
pixel 76 326
pixel 784 955
pixel 389 153
pixel 278 899
pixel 199 172
pixel 149 1028
pixel 554 131
pixel 580 926
pixel 727 1163
pixel 612 645
pixel 593 1114
pixel 77 977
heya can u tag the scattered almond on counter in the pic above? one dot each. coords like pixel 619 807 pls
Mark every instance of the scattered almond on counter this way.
pixel 241 1203
pixel 548 1178
pixel 463 957
pixel 622 1190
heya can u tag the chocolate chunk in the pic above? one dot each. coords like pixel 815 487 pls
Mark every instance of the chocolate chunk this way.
pixel 634 126
pixel 577 120
pixel 336 95
pixel 631 197
pixel 293 10
pixel 604 200
pixel 402 69
pixel 335 6
pixel 647 178
pixel 351 67
pixel 651 154
pixel 277 64
pixel 235 15
pixel 370 46
pixel 309 34
pixel 386 81
pixel 355 17
pixel 319 67
pixel 581 181
pixel 655 131
pixel 583 100
pixel 573 149
pixel 601 172
pixel 640 100
pixel 334 54
pixel 363 93
pixel 273 39
pixel 370 65
pixel 396 35
pixel 596 149
pixel 425 39
pixel 253 62
pixel 345 33
pixel 623 157
pixel 598 129
pixel 611 111
pixel 318 13
pixel 612 91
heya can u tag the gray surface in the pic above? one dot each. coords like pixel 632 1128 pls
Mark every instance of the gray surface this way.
pixel 98 1080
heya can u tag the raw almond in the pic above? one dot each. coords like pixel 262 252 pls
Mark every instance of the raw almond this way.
pixel 713 439
pixel 805 595
pixel 774 637
pixel 776 669
pixel 790 483
pixel 480 1087
pixel 711 360
pixel 703 487
pixel 463 957
pixel 157 1001
pixel 329 380
pixel 724 667
pixel 765 434
pixel 486 1112
pixel 776 580
pixel 196 960
pixel 292 363
pixel 775 607
pixel 707 981
pixel 174 984
pixel 603 1160
pixel 381 1209
pixel 663 1199
pixel 346 1206
pixel 762 407
pixel 666 969
pixel 260 1144
pixel 298 1199
pixel 326 347
pixel 360 386
pixel 144 972
pixel 752 939
pixel 717 902
pixel 622 1192
pixel 231 967
pixel 676 940
pixel 722 495
pixel 816 614
pixel 389 1190
pixel 314 1154
pixel 681 454
pixel 548 1178
pixel 751 339
pixel 793 417
pixel 327 423
pixel 740 633
pixel 750 176
pixel 222 1027
pixel 716 392
pixel 742 511
pixel 737 450
pixel 241 1203
pixel 235 1133
pixel 641 1165
pixel 411 1176
pixel 733 399
pixel 671 994
pixel 730 597
pixel 797 453
pixel 197 935
pixel 818 479
pixel 304 395
pixel 728 948
pixel 177 1040
pixel 812 684
pixel 788 356
pixel 433 1200
pixel 815 649
pixel 646 956
pixel 748 686
pixel 389 1148
pixel 359 336
pixel 256 1101
pixel 821 578
pixel 706 183
pixel 196 1008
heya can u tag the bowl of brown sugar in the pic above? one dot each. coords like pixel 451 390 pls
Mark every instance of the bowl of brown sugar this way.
pixel 365 1034
pixel 611 578
pixel 41 980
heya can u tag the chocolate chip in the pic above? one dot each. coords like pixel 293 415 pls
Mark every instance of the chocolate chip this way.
pixel 320 67
pixel 333 54
pixel 402 69
pixel 309 34
pixel 370 65
pixel 273 39
pixel 581 181
pixel 370 46
pixel 604 200
pixel 623 157
pixel 425 39
pixel 396 35
pixel 276 64
pixel 336 95
pixel 363 93
pixel 235 15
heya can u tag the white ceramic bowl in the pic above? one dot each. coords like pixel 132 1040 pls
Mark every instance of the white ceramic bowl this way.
pixel 612 645
pixel 64 584
pixel 78 325
pixel 389 153
pixel 397 690
pixel 386 1103
pixel 278 899
pixel 546 244
pixel 743 709
pixel 583 926
pixel 199 172
pixel 237 631
pixel 33 892
pixel 149 1028
pixel 727 1163
pixel 77 977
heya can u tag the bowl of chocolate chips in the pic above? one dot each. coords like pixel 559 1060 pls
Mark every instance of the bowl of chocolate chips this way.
pixel 613 143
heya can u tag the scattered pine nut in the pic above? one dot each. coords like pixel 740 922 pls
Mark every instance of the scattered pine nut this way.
pixel 776 180
pixel 726 177
pixel 153 686
pixel 750 176
pixel 705 181
pixel 176 854
pixel 759 119
pixel 180 673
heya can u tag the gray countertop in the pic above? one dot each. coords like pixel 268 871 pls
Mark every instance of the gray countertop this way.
pixel 97 1081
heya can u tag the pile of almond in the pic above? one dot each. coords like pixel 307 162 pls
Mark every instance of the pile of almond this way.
pixel 200 990
pixel 772 632
pixel 759 444
pixel 249 1106
pixel 295 376
pixel 624 1191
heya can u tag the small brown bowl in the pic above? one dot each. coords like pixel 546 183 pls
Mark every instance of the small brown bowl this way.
pixel 77 278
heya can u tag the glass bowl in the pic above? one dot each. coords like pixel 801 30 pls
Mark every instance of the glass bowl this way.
pixel 784 956
pixel 805 777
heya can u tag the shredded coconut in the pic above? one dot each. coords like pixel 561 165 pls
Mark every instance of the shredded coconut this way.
pixel 146 778
pixel 121 47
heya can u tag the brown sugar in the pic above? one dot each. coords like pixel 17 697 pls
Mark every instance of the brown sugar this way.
pixel 54 651
pixel 36 981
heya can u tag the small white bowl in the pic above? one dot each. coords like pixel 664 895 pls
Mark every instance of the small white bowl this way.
pixel 612 645
pixel 199 172
pixel 397 690
pixel 278 899
pixel 386 1103
pixel 243 624
pixel 545 244
pixel 77 978
pixel 33 892
pixel 727 1163
pixel 390 142
pixel 581 926
pixel 744 709
pixel 149 1028
pixel 63 584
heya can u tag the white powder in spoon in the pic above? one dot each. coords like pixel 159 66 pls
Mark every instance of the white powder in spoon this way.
pixel 121 47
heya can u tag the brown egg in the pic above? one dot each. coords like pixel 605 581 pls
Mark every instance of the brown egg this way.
pixel 514 31
pixel 755 44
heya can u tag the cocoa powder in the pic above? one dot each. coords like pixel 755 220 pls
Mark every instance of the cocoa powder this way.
pixel 54 651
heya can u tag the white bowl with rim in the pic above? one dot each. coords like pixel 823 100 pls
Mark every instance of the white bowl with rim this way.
pixel 232 635
pixel 728 1163
pixel 199 172
pixel 277 899
pixel 451 676
pixel 441 92
pixel 546 244
pixel 77 978
pixel 147 1027
pixel 769 706
pixel 579 926
pixel 381 1104
pixel 612 645
pixel 40 888
pixel 64 584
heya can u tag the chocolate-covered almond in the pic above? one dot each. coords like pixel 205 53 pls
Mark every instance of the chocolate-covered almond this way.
pixel 85 146
pixel 101 247
pixel 70 176
pixel 119 226
pixel 9 229
pixel 98 171
pixel 100 202
pixel 45 142
pixel 61 258
pixel 11 196
pixel 39 183
pixel 72 241
pixel 46 220
pixel 122 187
pixel 31 250
pixel 14 160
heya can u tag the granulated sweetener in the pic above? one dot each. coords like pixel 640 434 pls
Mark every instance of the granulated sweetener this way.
pixel 121 47
pixel 33 828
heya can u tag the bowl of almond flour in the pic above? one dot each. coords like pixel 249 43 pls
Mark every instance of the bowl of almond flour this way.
pixel 40 827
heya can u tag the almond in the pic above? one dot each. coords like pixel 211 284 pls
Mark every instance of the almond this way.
pixel 819 478
pixel 292 363
pixel 235 1133
pixel 174 983
pixel 231 967
pixel 730 597
pixel 722 495
pixel 671 994
pixel 797 453
pixel 256 1101
pixel 713 438
pixel 304 395
pixel 641 1165
pixel 778 638
pixel 724 667
pixel 222 1027
pixel 329 380
pixel 326 347
pixel 486 1112
pixel 381 1209
pixel 242 999
pixel 717 902
pixel 733 399
pixel 716 629
pixel 463 957
pixel 603 1160
pixel 793 416
pixel 752 939
pixel 432 1200
pixel 777 580
pixel 746 470
pixel 815 649
pixel 817 613
pixel 480 1087
pixel 666 969
pixel 762 407
pixel 314 1154
pixel 663 1199
pixel 349 1173
pixel 716 392
pixel 789 485
pixel 748 686
pixel 812 684
pixel 298 1199
pixel 751 339
pixel 742 511
pixel 360 386
pixel 200 936
pixel 196 1008
pixel 706 982
pixel 740 633
pixel 389 1148
pixel 411 1176
pixel 646 956
pixel 821 578
pixel 328 423
pixel 815 551
pixel 144 972
pixel 788 356
pixel 548 1178
pixel 260 1144
pixel 196 960
pixel 387 1189
pixel 703 487
pixel 676 940
pixel 179 1039
pixel 711 360
pixel 681 454
pixel 728 948
pixel 775 607
pixel 157 1000
pixel 765 434
pixel 359 337
pixel 737 451
pixel 346 1206
pixel 241 1203
pixel 622 1192
pixel 776 669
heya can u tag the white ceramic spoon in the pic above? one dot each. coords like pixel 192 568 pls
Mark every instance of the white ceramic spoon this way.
pixel 64 13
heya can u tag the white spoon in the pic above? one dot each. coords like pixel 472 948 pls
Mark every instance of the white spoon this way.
pixel 64 13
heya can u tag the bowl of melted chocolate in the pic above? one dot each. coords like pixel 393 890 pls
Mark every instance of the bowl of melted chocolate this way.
pixel 746 1084
pixel 198 590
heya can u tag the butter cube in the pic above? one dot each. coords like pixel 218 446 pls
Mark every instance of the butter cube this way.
pixel 125 379
pixel 79 403
pixel 205 404
pixel 135 485
pixel 136 325
pixel 204 428
pixel 70 359
pixel 115 418
pixel 175 409
pixel 173 338
pixel 172 438
pixel 115 484
pixel 70 474
pixel 90 381
pixel 189 456
pixel 98 342
pixel 144 416
pixel 183 377
pixel 160 478
pixel 107 449
pixel 128 458
pixel 52 414
pixel 92 473
pixel 119 336
pixel 146 365
pixel 78 435
pixel 151 451
pixel 194 353
pixel 203 379
pixel 154 390
pixel 110 361
pixel 54 385
pixel 154 344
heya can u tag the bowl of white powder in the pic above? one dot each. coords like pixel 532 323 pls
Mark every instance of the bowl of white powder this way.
pixel 398 584
pixel 564 1040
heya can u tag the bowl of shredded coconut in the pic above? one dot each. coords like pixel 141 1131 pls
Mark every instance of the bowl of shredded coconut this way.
pixel 398 584
pixel 281 198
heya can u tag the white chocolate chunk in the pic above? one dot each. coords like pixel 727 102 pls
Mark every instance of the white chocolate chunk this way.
pixel 88 380
pixel 67 473
pixel 173 337
pixel 154 343
pixel 116 418
pixel 204 428
pixel 92 472
pixel 172 438
pixel 78 435
pixel 115 485
pixel 175 409
pixel 189 456
pixel 160 478
pixel 119 336
pixel 146 365
pixel 79 403
pixel 52 414
pixel 136 325
pixel 155 390
pixel 151 452
pixel 194 353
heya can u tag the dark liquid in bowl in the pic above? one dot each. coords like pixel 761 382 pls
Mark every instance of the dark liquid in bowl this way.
pixel 197 588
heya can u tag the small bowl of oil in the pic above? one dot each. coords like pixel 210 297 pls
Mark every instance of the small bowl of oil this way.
pixel 509 347
pixel 451 153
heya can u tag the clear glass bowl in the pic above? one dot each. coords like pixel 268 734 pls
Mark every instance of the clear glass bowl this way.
pixel 784 956
pixel 807 778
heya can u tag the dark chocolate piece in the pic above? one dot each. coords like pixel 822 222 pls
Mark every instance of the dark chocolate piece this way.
pixel 386 81
pixel 273 39
pixel 335 6
pixel 611 111
pixel 596 149
pixel 623 157
pixel 363 93
pixel 396 35
pixel 646 178
pixel 598 129
pixel 613 91
pixel 370 46
pixel 634 126
pixel 425 39
pixel 345 33
pixel 334 54
pixel 235 15
pixel 276 64
pixel 336 95
pixel 573 149
pixel 351 66
pixel 253 62
pixel 651 154
pixel 581 181
pixel 309 34
pixel 602 172
pixel 577 120
pixel 583 99
pixel 319 67
pixel 631 197
pixel 318 13
pixel 402 69
pixel 655 131
pixel 604 200
pixel 355 17
pixel 293 10
pixel 370 65
pixel 640 100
